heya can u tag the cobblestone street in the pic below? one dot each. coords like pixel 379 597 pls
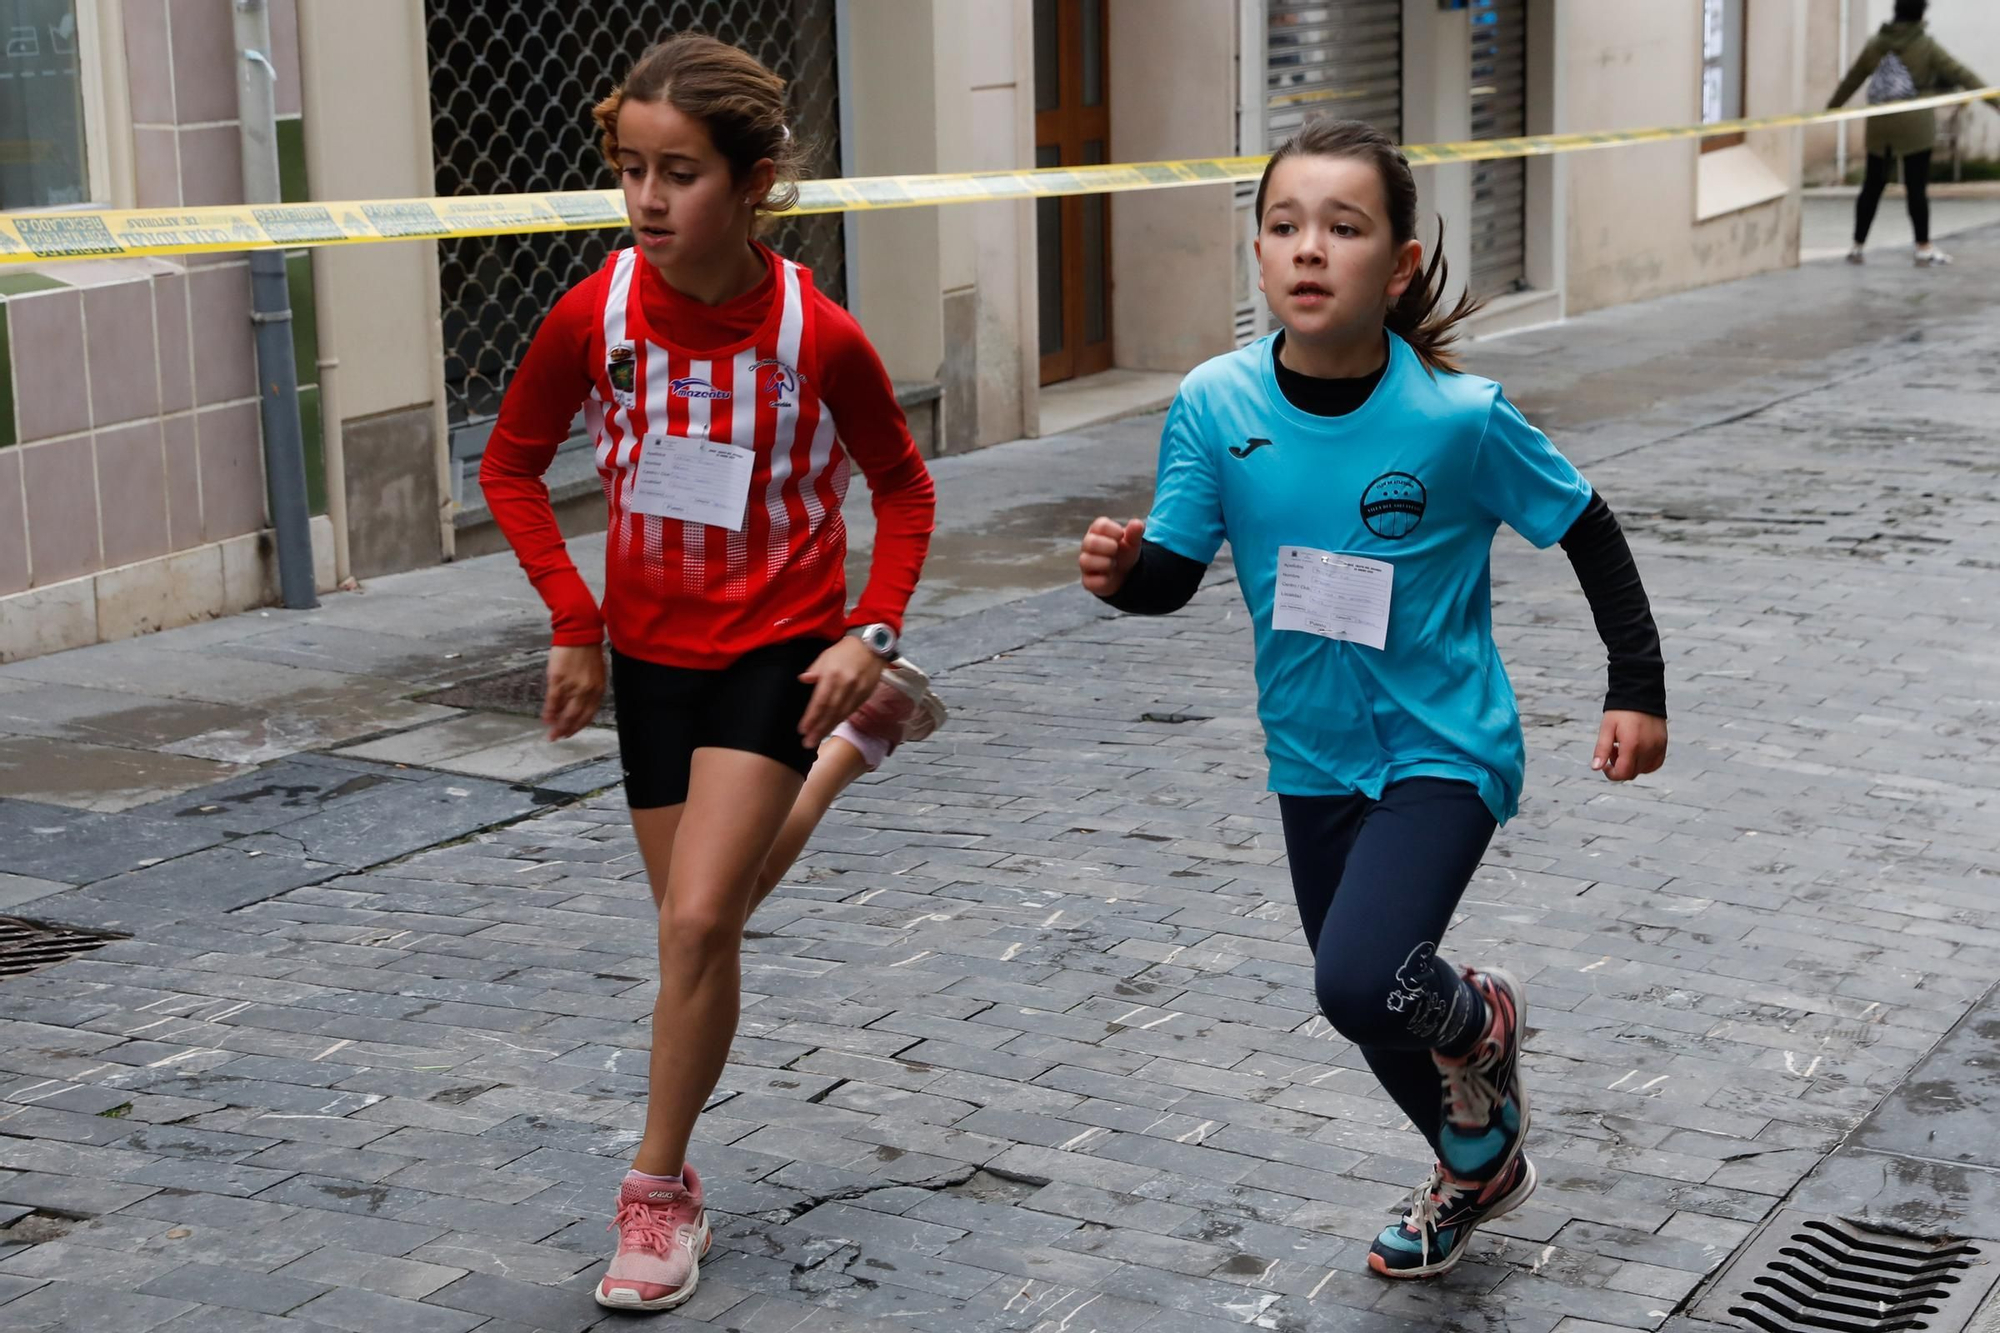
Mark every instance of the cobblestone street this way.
pixel 1028 1039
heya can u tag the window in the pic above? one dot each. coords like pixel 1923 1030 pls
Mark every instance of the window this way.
pixel 1722 68
pixel 43 159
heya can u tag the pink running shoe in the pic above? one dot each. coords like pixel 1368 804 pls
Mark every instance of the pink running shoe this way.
pixel 902 708
pixel 662 1236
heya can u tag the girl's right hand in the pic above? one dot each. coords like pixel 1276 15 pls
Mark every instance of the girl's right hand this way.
pixel 576 688
pixel 1110 549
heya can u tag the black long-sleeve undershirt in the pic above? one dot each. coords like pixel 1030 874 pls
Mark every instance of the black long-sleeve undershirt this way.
pixel 1163 581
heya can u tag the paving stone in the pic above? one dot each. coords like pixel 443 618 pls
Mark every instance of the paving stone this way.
pixel 57 844
pixel 372 1235
pixel 542 1264
pixel 360 1311
pixel 11 1286
pixel 89 1308
pixel 561 1309
pixel 70 1196
pixel 277 794
pixel 216 1319
pixel 321 1159
pixel 392 821
pixel 176 1205
pixel 334 1266
pixel 234 1288
pixel 220 879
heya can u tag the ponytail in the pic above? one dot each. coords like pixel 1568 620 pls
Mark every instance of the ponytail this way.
pixel 1417 317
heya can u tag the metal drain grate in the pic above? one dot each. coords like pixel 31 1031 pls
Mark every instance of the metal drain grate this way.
pixel 1807 1274
pixel 25 946
pixel 519 691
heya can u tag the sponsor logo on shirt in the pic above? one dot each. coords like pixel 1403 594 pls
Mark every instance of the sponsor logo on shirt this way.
pixel 1248 447
pixel 1393 505
pixel 694 386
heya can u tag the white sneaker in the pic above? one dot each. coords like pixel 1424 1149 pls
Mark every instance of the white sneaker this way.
pixel 1930 256
pixel 1856 256
pixel 902 708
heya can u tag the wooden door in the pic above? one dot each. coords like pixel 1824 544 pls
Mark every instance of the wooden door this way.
pixel 1073 235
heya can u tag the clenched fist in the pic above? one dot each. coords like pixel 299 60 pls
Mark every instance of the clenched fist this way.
pixel 1110 549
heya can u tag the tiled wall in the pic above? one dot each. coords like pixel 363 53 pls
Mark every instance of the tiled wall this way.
pixel 129 419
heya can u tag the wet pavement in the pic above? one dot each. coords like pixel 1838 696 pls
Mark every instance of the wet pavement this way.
pixel 1827 224
pixel 1027 1040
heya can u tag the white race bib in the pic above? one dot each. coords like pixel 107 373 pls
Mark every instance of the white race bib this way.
pixel 1342 597
pixel 695 480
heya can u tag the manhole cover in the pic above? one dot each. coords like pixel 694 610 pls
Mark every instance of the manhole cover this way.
pixel 25 946
pixel 1809 1273
pixel 518 691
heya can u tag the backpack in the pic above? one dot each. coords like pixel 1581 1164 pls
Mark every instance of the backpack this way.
pixel 1891 82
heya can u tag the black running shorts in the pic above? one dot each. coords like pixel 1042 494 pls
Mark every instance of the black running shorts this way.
pixel 667 713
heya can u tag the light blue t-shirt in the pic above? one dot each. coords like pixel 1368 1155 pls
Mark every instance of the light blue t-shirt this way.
pixel 1420 476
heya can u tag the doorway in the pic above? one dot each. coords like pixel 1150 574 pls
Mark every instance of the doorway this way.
pixel 1073 234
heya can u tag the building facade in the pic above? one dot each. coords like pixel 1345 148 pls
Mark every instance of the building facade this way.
pixel 129 430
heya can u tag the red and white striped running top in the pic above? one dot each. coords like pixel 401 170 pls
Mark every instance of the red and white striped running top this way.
pixel 782 371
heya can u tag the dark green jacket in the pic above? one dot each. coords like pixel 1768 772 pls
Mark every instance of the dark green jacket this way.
pixel 1931 68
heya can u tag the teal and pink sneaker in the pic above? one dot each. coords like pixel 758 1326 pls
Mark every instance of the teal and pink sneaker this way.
pixel 1444 1213
pixel 662 1236
pixel 1485 1101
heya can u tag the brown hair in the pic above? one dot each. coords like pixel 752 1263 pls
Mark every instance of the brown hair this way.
pixel 730 92
pixel 1418 318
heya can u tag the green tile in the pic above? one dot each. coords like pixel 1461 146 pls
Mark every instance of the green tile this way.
pixel 20 284
pixel 305 315
pixel 292 160
pixel 314 437
pixel 7 436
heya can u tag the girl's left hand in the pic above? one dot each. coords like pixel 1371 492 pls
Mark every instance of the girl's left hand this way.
pixel 842 678
pixel 1629 744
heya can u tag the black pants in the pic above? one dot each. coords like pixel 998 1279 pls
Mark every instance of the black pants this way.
pixel 1377 883
pixel 1916 181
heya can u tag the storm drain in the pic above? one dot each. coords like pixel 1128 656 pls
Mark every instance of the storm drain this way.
pixel 520 691
pixel 25 946
pixel 1810 1274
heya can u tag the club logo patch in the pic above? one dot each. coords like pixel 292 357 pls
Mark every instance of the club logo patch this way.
pixel 1393 505
pixel 621 367
pixel 782 380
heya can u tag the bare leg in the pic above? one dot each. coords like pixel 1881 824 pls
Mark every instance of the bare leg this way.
pixel 838 765
pixel 702 858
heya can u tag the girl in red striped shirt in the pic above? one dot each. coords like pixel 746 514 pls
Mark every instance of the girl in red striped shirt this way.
pixel 726 396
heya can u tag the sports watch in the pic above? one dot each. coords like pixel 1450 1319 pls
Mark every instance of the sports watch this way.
pixel 878 639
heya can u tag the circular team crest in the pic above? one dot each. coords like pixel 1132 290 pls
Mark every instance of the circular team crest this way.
pixel 1393 505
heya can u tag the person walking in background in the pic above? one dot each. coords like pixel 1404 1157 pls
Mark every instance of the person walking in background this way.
pixel 1900 62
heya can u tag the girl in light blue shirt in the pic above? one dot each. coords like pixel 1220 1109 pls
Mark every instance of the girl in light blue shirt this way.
pixel 1359 478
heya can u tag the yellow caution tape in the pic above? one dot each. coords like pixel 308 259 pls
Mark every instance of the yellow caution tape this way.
pixel 39 238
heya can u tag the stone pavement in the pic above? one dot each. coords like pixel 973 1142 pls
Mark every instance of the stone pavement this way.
pixel 1027 1041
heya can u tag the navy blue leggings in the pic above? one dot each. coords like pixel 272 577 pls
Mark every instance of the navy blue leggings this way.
pixel 1377 883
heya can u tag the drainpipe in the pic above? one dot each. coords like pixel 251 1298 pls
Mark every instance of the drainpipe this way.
pixel 271 312
pixel 1840 141
pixel 336 456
